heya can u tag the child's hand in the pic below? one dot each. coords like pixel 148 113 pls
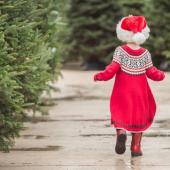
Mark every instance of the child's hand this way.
pixel 154 74
pixel 96 78
pixel 161 75
pixel 108 73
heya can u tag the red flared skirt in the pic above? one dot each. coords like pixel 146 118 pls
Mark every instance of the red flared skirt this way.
pixel 132 104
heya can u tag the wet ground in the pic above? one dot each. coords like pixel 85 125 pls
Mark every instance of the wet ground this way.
pixel 76 135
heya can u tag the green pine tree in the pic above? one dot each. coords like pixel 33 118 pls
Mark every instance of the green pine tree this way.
pixel 26 54
pixel 133 7
pixel 158 16
pixel 92 29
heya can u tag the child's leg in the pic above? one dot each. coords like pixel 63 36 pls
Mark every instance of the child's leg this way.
pixel 120 147
pixel 136 144
pixel 120 131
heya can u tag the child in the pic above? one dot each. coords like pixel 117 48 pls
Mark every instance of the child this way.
pixel 132 104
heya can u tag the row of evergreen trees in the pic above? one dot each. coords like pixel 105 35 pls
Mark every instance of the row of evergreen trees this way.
pixel 29 58
pixel 92 26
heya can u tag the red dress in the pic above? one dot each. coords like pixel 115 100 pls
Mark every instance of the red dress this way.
pixel 132 104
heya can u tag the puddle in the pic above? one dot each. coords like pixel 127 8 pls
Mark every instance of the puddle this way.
pixel 78 86
pixel 145 135
pixel 164 123
pixel 94 135
pixel 47 119
pixel 157 134
pixel 94 98
pixel 37 119
pixel 87 120
pixel 78 97
pixel 34 136
pixel 41 137
pixel 166 148
pixel 107 125
pixel 48 148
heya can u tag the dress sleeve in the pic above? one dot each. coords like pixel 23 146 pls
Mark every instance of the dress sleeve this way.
pixel 152 72
pixel 111 69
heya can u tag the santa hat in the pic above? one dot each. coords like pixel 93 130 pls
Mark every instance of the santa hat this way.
pixel 133 29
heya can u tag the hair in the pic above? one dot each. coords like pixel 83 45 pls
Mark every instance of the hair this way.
pixel 129 36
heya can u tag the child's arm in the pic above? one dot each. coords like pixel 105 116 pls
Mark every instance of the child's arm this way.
pixel 108 73
pixel 152 72
pixel 111 69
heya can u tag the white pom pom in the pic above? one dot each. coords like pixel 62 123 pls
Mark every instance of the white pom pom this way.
pixel 138 38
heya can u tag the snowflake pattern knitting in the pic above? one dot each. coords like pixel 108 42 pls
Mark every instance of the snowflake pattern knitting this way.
pixel 134 65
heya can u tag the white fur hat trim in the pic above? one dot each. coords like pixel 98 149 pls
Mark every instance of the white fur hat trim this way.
pixel 129 36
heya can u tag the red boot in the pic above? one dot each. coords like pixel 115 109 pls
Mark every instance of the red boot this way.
pixel 120 147
pixel 136 144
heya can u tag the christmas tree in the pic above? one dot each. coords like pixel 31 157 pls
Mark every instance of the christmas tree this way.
pixel 92 30
pixel 133 7
pixel 158 16
pixel 25 56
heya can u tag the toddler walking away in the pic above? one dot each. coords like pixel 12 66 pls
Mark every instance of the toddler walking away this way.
pixel 132 104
